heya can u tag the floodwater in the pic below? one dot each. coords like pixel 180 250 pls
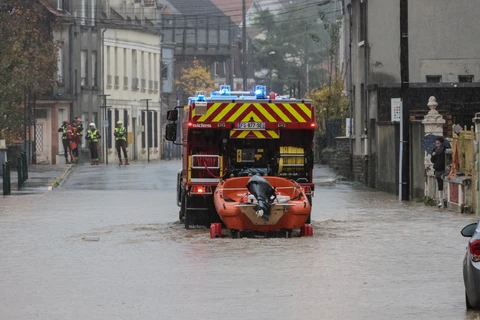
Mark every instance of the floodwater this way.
pixel 371 257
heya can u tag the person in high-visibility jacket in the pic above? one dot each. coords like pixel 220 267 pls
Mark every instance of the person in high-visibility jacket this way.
pixel 121 142
pixel 66 145
pixel 92 137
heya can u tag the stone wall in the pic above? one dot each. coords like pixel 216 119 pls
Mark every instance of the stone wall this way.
pixel 358 168
pixel 372 171
pixel 341 161
pixel 339 158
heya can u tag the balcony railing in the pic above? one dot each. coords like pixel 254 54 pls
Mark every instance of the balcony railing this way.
pixel 125 83
pixel 117 82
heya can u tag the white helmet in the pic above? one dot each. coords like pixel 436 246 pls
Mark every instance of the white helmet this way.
pixel 92 124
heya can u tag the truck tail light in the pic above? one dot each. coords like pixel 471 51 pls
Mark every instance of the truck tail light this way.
pixel 307 189
pixel 475 250
pixel 201 190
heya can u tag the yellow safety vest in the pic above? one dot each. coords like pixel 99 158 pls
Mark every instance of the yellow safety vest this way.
pixel 93 135
pixel 120 133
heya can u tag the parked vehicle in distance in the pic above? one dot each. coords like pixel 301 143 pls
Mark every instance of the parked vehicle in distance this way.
pixel 471 266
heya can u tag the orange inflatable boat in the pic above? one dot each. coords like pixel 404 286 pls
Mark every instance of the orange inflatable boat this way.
pixel 288 206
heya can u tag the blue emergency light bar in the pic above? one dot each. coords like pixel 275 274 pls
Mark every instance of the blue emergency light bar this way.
pixel 225 92
pixel 260 92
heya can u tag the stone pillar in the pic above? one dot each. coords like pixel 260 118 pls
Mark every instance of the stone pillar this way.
pixel 476 120
pixel 433 123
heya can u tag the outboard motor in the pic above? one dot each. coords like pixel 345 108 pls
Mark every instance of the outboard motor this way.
pixel 264 193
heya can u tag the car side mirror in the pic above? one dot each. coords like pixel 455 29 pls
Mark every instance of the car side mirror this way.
pixel 172 115
pixel 469 230
pixel 171 132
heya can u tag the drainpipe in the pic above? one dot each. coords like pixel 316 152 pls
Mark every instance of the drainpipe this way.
pixel 350 77
pixel 365 77
pixel 365 88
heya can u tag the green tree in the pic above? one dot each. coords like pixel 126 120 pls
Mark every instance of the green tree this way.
pixel 331 102
pixel 286 49
pixel 195 78
pixel 28 59
pixel 333 32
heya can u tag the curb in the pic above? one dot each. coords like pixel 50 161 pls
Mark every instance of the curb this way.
pixel 61 177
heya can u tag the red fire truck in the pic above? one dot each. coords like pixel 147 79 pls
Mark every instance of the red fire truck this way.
pixel 229 135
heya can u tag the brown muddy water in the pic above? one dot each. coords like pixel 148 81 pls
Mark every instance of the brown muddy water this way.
pixel 371 257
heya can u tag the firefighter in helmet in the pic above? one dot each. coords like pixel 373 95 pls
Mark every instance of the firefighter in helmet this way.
pixel 121 142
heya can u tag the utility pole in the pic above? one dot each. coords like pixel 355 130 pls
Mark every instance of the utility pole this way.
pixel 34 147
pixel 146 132
pixel 306 60
pixel 105 127
pixel 244 46
pixel 404 73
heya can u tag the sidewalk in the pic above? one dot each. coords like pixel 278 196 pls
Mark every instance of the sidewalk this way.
pixel 41 178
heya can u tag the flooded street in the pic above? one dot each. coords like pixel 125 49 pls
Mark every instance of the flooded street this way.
pixel 371 257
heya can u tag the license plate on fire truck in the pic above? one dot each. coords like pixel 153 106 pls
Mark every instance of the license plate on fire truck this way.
pixel 251 125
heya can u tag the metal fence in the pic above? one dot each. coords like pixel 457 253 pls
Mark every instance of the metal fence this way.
pixel 22 169
pixel 334 129
pixel 7 189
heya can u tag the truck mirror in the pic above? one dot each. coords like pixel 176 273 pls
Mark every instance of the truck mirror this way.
pixel 171 132
pixel 172 115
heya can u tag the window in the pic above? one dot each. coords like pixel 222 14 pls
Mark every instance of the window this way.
pixel 155 71
pixel 93 6
pixel 465 78
pixel 125 74
pixel 109 129
pixel 85 121
pixel 362 107
pixel 83 67
pixel 150 127
pixel 115 61
pixel 62 115
pixel 434 79
pixel 107 58
pixel 60 65
pixel 125 120
pixel 142 67
pixel 155 129
pixel 117 117
pixel 363 19
pixel 149 66
pixel 94 68
pixel 353 108
pixel 116 71
pixel 134 63
pixel 164 71
pixel 83 13
pixel 144 144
